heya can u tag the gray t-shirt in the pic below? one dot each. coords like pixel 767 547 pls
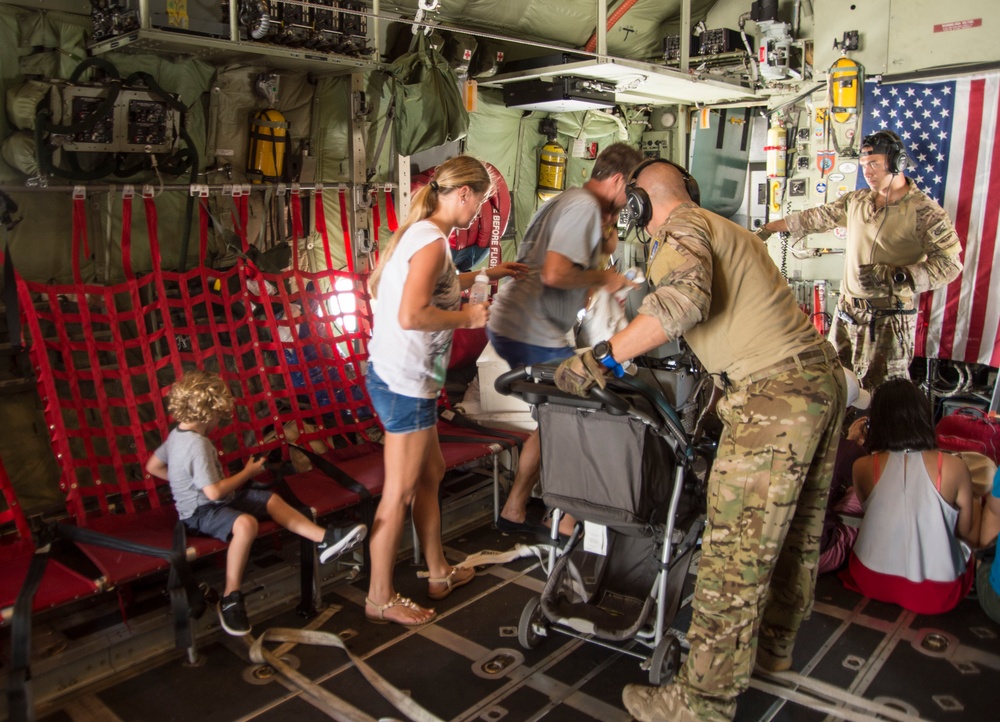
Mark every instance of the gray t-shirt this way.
pixel 192 464
pixel 526 310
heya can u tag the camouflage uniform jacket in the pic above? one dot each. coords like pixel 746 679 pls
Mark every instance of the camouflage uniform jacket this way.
pixel 915 233
pixel 716 285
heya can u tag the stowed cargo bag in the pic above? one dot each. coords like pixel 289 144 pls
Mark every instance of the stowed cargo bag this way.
pixel 611 470
pixel 428 104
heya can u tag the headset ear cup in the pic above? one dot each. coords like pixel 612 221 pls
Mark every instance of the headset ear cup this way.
pixel 692 188
pixel 902 161
pixel 637 203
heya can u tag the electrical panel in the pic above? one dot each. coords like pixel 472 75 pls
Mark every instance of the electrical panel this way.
pixel 319 25
pixel 137 121
pixel 657 144
pixel 672 47
pixel 202 17
pixel 316 25
pixel 719 40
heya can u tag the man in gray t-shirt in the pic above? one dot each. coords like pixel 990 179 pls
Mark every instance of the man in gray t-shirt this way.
pixel 531 318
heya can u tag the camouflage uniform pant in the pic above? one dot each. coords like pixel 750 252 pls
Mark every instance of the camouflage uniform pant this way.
pixel 875 346
pixel 767 497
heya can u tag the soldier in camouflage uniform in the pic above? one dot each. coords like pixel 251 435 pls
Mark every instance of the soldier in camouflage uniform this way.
pixel 899 243
pixel 782 410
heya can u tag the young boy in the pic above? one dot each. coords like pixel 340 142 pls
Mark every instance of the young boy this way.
pixel 213 505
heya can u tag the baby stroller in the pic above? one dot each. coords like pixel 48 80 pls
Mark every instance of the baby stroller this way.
pixel 621 464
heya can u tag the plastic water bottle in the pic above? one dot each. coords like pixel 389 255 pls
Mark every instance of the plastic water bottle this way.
pixel 635 276
pixel 480 291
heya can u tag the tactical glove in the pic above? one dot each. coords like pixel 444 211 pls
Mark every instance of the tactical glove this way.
pixel 763 234
pixel 882 277
pixel 580 373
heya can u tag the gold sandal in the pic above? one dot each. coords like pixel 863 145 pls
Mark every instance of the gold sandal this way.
pixel 449 581
pixel 397 601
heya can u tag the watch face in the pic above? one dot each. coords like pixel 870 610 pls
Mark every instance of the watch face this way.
pixel 601 349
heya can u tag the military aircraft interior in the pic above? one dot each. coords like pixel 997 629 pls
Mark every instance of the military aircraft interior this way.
pixel 608 257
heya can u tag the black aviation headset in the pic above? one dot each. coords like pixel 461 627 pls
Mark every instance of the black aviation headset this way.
pixel 887 142
pixel 640 210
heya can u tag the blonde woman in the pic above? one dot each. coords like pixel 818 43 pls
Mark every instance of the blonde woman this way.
pixel 418 307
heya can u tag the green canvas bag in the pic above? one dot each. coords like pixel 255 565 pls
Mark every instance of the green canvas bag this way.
pixel 428 104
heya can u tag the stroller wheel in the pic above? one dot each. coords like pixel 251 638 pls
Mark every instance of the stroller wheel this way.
pixel 532 626
pixel 666 660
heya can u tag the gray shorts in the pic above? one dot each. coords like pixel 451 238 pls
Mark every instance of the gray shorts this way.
pixel 217 519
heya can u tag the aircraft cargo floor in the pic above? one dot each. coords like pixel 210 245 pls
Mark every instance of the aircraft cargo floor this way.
pixel 468 665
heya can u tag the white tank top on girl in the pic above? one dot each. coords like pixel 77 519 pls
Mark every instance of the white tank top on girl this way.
pixel 908 529
pixel 413 363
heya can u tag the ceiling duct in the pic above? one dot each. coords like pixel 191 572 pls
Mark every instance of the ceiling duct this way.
pixel 559 95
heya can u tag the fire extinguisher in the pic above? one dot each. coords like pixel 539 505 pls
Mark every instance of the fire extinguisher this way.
pixel 775 150
pixel 268 143
pixel 551 164
pixel 845 80
pixel 551 169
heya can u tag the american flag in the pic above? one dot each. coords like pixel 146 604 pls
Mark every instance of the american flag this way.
pixel 950 132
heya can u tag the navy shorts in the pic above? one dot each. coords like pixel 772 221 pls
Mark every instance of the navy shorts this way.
pixel 517 354
pixel 399 414
pixel 217 519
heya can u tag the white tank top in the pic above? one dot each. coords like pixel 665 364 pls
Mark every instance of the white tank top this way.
pixel 413 363
pixel 908 529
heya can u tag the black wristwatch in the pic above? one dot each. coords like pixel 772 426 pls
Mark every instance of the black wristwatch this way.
pixel 900 276
pixel 602 350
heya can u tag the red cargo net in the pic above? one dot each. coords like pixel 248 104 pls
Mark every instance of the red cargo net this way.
pixel 291 347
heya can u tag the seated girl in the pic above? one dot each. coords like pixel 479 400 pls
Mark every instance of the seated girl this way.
pixel 918 503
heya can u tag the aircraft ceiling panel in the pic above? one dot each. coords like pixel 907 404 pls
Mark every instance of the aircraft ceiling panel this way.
pixel 638 82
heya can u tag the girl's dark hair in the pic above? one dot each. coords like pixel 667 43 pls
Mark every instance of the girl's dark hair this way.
pixel 900 418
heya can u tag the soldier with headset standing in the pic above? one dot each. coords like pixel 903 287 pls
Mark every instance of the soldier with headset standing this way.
pixel 899 243
pixel 782 410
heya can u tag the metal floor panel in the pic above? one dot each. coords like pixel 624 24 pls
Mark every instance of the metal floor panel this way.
pixel 468 666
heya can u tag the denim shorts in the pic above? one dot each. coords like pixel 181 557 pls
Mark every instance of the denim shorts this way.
pixel 399 414
pixel 517 354
pixel 217 519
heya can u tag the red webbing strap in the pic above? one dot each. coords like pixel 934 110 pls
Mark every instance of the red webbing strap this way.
pixel 244 204
pixel 79 231
pixel 390 212
pixel 297 231
pixel 241 216
pixel 126 241
pixel 152 226
pixel 321 225
pixel 203 216
pixel 13 512
pixel 346 228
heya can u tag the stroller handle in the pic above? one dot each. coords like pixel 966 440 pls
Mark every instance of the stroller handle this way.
pixel 606 397
pixel 545 372
pixel 503 381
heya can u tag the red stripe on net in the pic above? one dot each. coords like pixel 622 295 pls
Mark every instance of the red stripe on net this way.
pixel 345 228
pixel 321 225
